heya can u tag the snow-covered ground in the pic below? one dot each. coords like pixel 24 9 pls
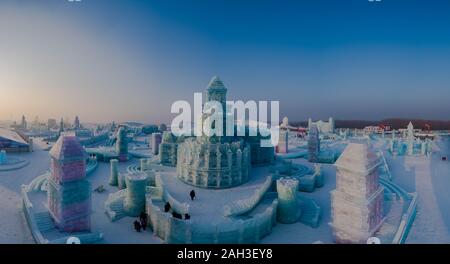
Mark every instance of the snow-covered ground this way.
pixel 429 177
pixel 13 227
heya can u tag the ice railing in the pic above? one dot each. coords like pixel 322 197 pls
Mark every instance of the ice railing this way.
pixel 245 205
pixel 181 208
pixel 29 216
pixel 235 230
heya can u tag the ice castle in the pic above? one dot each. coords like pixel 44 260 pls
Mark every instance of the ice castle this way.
pixel 214 161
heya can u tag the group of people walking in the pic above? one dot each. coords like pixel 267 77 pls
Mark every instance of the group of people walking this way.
pixel 141 224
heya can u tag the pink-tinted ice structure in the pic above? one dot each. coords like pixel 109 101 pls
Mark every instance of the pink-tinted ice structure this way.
pixel 69 195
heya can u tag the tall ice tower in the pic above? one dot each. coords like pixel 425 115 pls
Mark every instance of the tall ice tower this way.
pixel 69 193
pixel 357 200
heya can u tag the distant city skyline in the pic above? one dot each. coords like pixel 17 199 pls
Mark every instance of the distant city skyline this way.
pixel 130 60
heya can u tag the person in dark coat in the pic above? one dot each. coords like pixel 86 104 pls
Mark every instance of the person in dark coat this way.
pixel 167 207
pixel 144 223
pixel 192 194
pixel 143 216
pixel 137 226
pixel 187 217
pixel 176 215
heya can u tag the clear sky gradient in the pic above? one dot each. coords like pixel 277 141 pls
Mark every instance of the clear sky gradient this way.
pixel 125 60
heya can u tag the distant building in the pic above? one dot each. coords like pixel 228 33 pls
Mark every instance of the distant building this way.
pixel 373 129
pixel 13 141
pixel 51 123
pixel 23 123
pixel 322 126
pixel 76 123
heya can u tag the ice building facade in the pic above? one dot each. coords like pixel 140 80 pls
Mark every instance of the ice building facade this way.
pixel 219 165
pixel 357 200
pixel 69 193
pixel 322 126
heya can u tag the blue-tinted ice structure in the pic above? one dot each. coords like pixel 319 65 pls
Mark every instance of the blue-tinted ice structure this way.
pixel 288 206
pixel 3 157
pixel 409 145
pixel 313 144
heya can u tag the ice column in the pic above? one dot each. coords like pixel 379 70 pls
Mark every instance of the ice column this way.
pixel 313 144
pixel 122 144
pixel 410 139
pixel 156 141
pixel 283 141
pixel 134 202
pixel 288 207
pixel 114 175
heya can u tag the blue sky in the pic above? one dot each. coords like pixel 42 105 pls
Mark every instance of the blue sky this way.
pixel 129 60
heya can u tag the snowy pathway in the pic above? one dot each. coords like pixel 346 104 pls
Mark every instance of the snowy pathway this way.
pixel 429 225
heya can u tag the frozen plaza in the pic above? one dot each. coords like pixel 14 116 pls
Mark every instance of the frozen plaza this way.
pixel 330 186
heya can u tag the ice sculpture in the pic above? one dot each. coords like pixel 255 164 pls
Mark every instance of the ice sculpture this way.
pixel 313 144
pixel 134 202
pixel 357 200
pixel 288 206
pixel 69 193
pixel 114 176
pixel 410 139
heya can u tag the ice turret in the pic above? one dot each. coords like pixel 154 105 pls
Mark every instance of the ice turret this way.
pixel 69 194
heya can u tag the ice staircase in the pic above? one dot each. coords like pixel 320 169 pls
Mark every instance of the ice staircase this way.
pixel 44 221
pixel 114 205
pixel 385 166
pixel 310 212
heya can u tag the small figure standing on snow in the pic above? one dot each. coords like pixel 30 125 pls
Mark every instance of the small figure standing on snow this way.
pixel 137 226
pixel 192 194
